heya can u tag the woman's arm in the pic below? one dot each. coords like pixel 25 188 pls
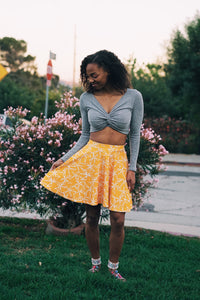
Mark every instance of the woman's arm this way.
pixel 135 126
pixel 85 135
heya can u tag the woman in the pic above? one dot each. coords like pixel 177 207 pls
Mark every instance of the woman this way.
pixel 95 170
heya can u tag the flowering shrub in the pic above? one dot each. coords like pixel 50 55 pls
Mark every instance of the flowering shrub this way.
pixel 149 163
pixel 28 151
pixel 178 136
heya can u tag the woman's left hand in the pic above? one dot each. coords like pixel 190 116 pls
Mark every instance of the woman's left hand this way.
pixel 130 178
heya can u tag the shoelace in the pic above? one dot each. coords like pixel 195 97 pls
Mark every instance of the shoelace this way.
pixel 94 269
pixel 116 274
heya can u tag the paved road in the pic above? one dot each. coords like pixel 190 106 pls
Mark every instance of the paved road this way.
pixel 181 173
pixel 174 206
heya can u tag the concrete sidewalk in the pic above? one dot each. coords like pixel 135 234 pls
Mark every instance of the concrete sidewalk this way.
pixel 173 207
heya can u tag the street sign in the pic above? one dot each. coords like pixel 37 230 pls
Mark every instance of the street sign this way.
pixel 3 72
pixel 49 73
pixel 52 55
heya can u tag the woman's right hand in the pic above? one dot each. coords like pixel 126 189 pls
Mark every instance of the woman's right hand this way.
pixel 57 163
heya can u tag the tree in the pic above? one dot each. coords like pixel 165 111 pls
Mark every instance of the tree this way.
pixel 13 94
pixel 12 55
pixel 183 70
pixel 150 81
pixel 38 105
pixel 23 86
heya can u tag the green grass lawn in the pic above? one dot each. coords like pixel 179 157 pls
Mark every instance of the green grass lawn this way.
pixel 34 265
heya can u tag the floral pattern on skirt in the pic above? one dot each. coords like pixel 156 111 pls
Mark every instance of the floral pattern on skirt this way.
pixel 94 175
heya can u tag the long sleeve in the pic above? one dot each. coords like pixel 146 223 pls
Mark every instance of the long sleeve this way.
pixel 85 135
pixel 134 134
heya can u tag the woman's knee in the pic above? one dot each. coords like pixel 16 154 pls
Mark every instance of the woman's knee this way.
pixel 92 216
pixel 92 221
pixel 117 220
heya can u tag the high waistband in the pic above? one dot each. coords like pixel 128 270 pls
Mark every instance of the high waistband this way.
pixel 106 146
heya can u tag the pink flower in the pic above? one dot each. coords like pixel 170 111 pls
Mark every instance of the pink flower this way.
pixel 162 150
pixel 48 159
pixel 34 120
pixel 57 142
pixel 6 170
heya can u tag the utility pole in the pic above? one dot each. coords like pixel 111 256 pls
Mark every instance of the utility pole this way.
pixel 48 82
pixel 74 66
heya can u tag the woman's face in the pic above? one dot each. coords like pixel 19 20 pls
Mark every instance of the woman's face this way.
pixel 96 76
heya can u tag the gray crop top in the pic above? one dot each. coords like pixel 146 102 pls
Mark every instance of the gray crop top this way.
pixel 125 117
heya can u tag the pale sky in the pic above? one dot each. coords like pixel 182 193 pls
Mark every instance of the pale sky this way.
pixel 140 28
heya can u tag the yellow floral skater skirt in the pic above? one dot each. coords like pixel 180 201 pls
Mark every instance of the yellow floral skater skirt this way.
pixel 94 175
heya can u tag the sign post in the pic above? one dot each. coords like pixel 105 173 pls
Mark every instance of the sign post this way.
pixel 49 76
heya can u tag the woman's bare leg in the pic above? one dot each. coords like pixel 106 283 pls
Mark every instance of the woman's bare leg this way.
pixel 116 235
pixel 92 229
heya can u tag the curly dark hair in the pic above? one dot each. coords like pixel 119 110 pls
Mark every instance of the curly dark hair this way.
pixel 118 76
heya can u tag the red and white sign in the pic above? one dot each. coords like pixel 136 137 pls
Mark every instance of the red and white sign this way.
pixel 49 73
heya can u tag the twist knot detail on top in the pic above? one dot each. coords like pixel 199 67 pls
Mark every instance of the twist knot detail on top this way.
pixel 125 117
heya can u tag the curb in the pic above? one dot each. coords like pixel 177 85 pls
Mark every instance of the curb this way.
pixel 176 163
pixel 173 229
